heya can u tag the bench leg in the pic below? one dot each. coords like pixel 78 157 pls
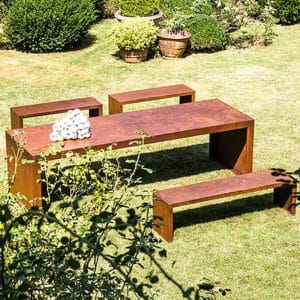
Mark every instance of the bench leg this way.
pixel 26 177
pixel 95 112
pixel 233 149
pixel 16 121
pixel 163 219
pixel 114 107
pixel 187 99
pixel 285 197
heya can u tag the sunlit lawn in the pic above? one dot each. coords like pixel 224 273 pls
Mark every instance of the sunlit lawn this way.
pixel 247 244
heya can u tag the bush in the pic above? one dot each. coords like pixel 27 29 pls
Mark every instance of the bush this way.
pixel 138 8
pixel 254 33
pixel 252 8
pixel 135 34
pixel 4 40
pixel 49 25
pixel 92 243
pixel 207 33
pixel 169 7
pixel 287 11
pixel 203 7
pixel 3 12
pixel 228 13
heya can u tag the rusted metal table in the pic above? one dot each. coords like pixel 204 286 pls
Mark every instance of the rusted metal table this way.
pixel 231 137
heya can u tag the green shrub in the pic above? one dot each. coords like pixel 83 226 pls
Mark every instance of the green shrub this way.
pixel 49 25
pixel 138 8
pixel 287 11
pixel 3 12
pixel 135 34
pixel 169 7
pixel 252 8
pixel 254 33
pixel 4 40
pixel 207 33
pixel 203 7
pixel 228 13
pixel 91 239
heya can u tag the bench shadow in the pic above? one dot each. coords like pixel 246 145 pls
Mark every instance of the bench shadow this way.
pixel 175 163
pixel 224 210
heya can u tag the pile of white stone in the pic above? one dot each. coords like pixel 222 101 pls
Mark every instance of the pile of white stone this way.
pixel 71 127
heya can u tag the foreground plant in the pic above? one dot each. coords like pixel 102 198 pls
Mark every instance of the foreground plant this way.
pixel 92 240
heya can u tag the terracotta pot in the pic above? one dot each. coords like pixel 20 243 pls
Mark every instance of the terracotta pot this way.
pixel 155 18
pixel 172 45
pixel 134 56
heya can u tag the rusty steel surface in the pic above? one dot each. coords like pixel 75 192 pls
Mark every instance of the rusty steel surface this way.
pixel 220 188
pixel 163 123
pixel 285 191
pixel 19 113
pixel 117 101
pixel 212 117
pixel 153 93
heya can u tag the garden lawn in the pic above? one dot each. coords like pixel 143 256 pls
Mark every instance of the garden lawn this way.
pixel 247 244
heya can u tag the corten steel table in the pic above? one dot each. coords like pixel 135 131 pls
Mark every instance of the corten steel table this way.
pixel 231 137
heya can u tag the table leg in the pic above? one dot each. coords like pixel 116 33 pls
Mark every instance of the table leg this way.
pixel 26 177
pixel 233 149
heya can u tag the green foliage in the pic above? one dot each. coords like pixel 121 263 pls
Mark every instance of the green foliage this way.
pixel 203 7
pixel 228 13
pixel 254 33
pixel 3 12
pixel 79 246
pixel 4 40
pixel 287 11
pixel 134 34
pixel 252 8
pixel 49 25
pixel 138 8
pixel 207 33
pixel 169 7
pixel 175 24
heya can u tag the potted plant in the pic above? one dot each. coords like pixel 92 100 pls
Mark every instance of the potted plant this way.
pixel 133 38
pixel 139 8
pixel 173 39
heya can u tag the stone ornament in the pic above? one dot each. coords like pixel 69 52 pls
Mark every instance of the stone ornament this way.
pixel 74 125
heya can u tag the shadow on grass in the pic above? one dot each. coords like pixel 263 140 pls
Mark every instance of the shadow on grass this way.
pixel 225 210
pixel 86 42
pixel 175 163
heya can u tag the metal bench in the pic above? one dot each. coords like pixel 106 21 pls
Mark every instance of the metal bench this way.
pixel 117 101
pixel 19 113
pixel 165 200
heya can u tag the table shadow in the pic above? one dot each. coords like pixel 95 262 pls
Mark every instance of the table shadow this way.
pixel 174 163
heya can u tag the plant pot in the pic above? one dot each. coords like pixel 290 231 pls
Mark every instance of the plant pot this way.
pixel 134 56
pixel 172 45
pixel 155 18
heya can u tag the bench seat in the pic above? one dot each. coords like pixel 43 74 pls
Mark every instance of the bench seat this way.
pixel 117 101
pixel 165 200
pixel 19 113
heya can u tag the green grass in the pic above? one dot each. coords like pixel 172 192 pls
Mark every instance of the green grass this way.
pixel 247 244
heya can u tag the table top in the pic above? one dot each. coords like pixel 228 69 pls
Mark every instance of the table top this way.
pixel 161 124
